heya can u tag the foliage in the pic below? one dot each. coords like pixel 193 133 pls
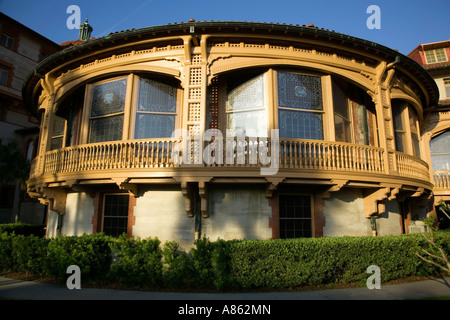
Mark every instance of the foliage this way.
pixel 29 254
pixel 25 229
pixel 92 253
pixel 138 262
pixel 434 252
pixel 236 264
pixel 178 269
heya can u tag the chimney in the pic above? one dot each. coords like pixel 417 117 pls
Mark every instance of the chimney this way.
pixel 85 31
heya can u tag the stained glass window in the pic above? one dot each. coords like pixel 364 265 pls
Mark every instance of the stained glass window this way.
pixel 107 111
pixel 156 110
pixel 246 107
pixel 300 106
pixel 299 91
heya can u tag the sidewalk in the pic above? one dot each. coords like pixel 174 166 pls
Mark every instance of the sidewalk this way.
pixel 19 289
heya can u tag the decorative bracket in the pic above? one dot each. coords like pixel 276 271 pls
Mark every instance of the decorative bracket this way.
pixel 337 185
pixel 273 185
pixel 55 198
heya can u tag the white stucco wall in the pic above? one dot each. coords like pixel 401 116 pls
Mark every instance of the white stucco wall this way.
pixel 344 214
pixel 237 212
pixel 160 213
pixel 78 217
pixel 389 223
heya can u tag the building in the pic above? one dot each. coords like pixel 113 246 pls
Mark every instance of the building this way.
pixel 21 49
pixel 231 130
pixel 435 58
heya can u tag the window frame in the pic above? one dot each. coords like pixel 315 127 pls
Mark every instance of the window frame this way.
pixel 135 101
pixel 276 107
pixel 6 73
pixel 8 37
pixel 130 107
pixel 407 134
pixel 440 153
pixel 435 55
pixel 311 218
pixel 103 205
pixel 266 104
pixel 447 87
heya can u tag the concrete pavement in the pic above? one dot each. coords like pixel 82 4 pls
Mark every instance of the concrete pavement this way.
pixel 29 290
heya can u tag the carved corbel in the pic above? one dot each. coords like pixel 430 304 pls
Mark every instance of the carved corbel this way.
pixel 337 185
pixel 55 199
pixel 132 188
pixel 203 192
pixel 273 185
pixel 373 201
pixel 187 194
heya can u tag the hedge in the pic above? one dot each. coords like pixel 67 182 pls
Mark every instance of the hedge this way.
pixel 236 264
pixel 25 229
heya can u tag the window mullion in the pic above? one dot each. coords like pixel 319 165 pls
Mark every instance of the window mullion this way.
pixel 127 108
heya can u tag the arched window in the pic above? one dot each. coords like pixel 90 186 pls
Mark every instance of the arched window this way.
pixel 440 152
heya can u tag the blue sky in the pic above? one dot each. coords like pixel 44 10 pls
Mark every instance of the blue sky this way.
pixel 404 24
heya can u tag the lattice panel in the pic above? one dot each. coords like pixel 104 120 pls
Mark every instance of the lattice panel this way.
pixel 195 93
pixel 196 59
pixel 194 112
pixel 195 77
pixel 214 104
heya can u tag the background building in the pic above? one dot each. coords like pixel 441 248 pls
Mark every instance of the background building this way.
pixel 283 131
pixel 435 58
pixel 21 49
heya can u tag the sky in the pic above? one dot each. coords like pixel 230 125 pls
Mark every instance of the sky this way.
pixel 403 24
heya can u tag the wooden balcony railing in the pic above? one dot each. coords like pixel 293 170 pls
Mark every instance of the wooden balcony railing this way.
pixel 441 179
pixel 412 167
pixel 292 153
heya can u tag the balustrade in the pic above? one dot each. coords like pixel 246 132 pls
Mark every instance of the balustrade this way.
pixel 237 152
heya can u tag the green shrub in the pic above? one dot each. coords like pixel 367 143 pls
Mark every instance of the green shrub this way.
pixel 178 271
pixel 23 229
pixel 92 253
pixel 6 260
pixel 137 261
pixel 320 261
pixel 29 254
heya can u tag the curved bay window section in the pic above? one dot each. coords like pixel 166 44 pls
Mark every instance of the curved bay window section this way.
pixel 440 160
pixel 107 111
pixel 120 110
pixel 156 110
pixel 354 115
pixel 406 128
